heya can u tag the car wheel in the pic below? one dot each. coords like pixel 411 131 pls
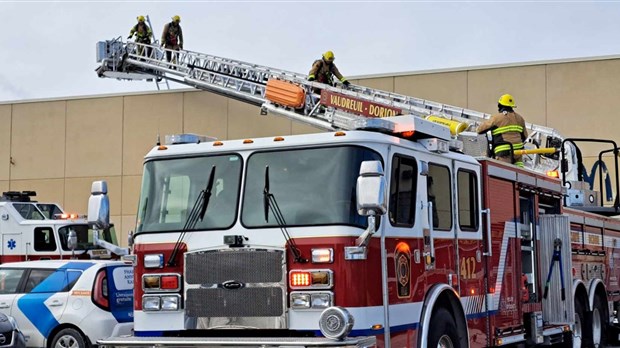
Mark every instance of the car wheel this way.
pixel 68 338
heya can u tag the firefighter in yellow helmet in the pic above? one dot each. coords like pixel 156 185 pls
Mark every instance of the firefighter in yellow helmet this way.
pixel 323 69
pixel 507 128
pixel 142 33
pixel 172 37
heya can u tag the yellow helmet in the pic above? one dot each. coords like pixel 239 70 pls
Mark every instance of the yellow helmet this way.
pixel 176 19
pixel 140 18
pixel 329 56
pixel 507 100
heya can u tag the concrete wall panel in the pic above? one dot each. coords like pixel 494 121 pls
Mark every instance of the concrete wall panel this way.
pixel 48 190
pixel 146 116
pixel 5 142
pixel 94 137
pixel 382 83
pixel 38 140
pixel 447 88
pixel 526 84
pixel 205 114
pixel 131 194
pixel 245 121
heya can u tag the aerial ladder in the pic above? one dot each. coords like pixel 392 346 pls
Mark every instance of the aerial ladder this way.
pixel 326 107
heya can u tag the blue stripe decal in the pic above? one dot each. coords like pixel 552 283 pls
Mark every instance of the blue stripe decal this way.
pixel 148 333
pixel 369 332
pixel 33 304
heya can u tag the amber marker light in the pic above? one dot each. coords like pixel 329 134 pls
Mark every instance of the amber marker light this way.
pixel 218 143
pixel 299 278
pixel 553 174
pixel 162 147
pixel 340 134
pixel 278 139
pixel 376 327
pixel 248 141
pixel 407 134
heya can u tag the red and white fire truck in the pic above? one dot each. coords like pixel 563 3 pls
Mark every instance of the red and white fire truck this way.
pixel 389 231
pixel 32 230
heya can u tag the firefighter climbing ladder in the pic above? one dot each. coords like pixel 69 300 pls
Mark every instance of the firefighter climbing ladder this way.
pixel 250 83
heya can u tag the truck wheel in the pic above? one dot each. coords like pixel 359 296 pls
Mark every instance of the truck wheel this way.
pixel 599 323
pixel 580 321
pixel 68 338
pixel 442 330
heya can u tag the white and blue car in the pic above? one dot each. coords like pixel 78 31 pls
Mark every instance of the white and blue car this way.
pixel 68 303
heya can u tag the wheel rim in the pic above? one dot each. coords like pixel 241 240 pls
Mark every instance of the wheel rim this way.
pixel 577 332
pixel 67 341
pixel 445 342
pixel 596 327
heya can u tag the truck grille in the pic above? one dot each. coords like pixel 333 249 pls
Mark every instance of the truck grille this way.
pixel 236 283
pixel 248 302
pixel 216 267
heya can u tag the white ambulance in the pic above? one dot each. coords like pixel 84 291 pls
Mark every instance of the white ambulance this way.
pixel 68 303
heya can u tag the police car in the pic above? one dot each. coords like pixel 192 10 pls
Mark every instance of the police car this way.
pixel 68 303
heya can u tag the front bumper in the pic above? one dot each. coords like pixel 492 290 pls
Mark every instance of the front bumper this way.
pixel 263 342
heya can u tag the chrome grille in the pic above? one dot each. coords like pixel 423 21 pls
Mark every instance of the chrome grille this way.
pixel 247 302
pixel 246 266
pixel 246 284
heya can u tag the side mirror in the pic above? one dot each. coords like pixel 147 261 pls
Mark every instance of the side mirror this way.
pixel 99 206
pixel 130 239
pixel 371 188
pixel 72 240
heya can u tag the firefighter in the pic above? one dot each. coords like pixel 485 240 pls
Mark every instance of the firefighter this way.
pixel 323 69
pixel 508 131
pixel 142 32
pixel 172 38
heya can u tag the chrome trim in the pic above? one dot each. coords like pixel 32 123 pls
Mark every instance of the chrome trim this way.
pixel 152 290
pixel 501 173
pixel 592 284
pixel 429 304
pixel 511 339
pixel 526 179
pixel 132 341
pixel 319 286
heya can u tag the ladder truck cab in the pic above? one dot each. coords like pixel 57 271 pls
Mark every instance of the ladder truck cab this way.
pixel 32 230
pixel 395 229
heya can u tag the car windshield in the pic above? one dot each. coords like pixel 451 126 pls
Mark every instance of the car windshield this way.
pixel 171 187
pixel 85 236
pixel 311 186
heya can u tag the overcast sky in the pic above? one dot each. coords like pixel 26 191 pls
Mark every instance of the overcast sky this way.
pixel 47 49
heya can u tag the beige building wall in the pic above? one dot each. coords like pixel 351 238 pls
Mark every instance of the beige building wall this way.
pixel 58 147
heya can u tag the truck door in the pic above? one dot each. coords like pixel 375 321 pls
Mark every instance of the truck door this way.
pixel 10 279
pixel 438 184
pixel 471 261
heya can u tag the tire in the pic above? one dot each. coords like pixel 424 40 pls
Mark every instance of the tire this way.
pixel 442 332
pixel 581 333
pixel 68 338
pixel 599 323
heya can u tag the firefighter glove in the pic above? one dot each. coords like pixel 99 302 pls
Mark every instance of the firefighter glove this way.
pixel 346 83
pixel 128 37
pixel 311 78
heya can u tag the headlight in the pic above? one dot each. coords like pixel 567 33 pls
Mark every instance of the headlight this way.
pixel 324 255
pixel 321 301
pixel 300 301
pixel 336 323
pixel 170 303
pixel 151 303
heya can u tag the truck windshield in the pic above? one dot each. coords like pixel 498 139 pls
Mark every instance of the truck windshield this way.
pixel 170 188
pixel 311 186
pixel 85 236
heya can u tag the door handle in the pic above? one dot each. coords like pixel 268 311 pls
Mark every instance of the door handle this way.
pixel 56 304
pixel 4 305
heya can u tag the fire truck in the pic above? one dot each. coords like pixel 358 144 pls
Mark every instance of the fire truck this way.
pixel 32 230
pixel 392 229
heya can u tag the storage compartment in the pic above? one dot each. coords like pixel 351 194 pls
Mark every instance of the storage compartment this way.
pixel 285 93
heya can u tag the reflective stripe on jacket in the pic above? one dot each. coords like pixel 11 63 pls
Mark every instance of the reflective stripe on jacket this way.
pixel 506 128
pixel 323 71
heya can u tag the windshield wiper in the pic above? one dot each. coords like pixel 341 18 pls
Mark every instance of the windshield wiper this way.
pixel 270 203
pixel 196 214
